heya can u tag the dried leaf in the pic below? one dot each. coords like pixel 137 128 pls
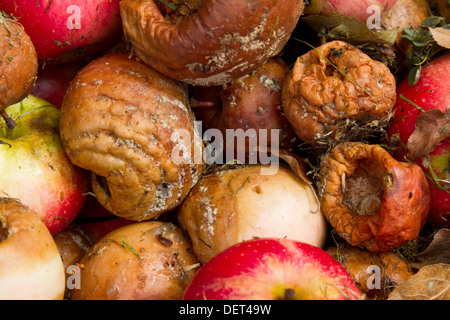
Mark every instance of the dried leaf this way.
pixel 432 127
pixel 298 166
pixel 438 251
pixel 441 36
pixel 349 29
pixel 296 163
pixel 429 283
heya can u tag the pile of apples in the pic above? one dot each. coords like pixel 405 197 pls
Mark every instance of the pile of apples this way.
pixel 35 170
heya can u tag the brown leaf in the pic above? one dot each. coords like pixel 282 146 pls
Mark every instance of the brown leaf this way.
pixel 429 283
pixel 298 166
pixel 441 36
pixel 349 29
pixel 438 251
pixel 432 127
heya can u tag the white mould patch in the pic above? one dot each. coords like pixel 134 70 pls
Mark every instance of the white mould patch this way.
pixel 269 83
pixel 176 102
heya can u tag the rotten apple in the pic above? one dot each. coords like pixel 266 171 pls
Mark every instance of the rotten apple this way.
pixel 150 260
pixel 30 264
pixel 35 168
pixel 418 131
pixel 272 269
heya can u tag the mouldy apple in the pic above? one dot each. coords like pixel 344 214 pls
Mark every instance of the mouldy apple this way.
pixel 430 145
pixel 272 269
pixel 59 27
pixel 35 168
pixel 247 202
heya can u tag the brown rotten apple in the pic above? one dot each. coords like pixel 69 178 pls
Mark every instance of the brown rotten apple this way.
pixel 149 260
pixel 242 203
pixel 132 128
pixel 337 93
pixel 18 62
pixel 30 263
pixel 375 274
pixel 208 42
pixel 251 102
pixel 372 200
pixel 72 244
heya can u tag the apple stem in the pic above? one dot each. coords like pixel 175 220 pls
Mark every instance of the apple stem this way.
pixel 10 123
pixel 202 104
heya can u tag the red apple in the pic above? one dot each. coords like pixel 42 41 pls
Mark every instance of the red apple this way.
pixel 59 27
pixel 359 9
pixel 92 209
pixel 272 269
pixel 34 167
pixel 431 92
pixel 52 81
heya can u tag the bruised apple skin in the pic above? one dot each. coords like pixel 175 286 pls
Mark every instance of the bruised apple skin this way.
pixel 149 260
pixel 30 264
pixel 214 41
pixel 272 269
pixel 18 62
pixel 239 204
pixel 431 92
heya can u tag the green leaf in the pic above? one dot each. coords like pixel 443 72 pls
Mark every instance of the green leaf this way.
pixel 421 43
pixel 414 75
pixel 433 22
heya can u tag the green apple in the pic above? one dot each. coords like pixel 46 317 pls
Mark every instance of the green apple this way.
pixel 34 167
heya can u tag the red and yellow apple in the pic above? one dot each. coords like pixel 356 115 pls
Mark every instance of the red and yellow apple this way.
pixel 35 168
pixel 272 269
